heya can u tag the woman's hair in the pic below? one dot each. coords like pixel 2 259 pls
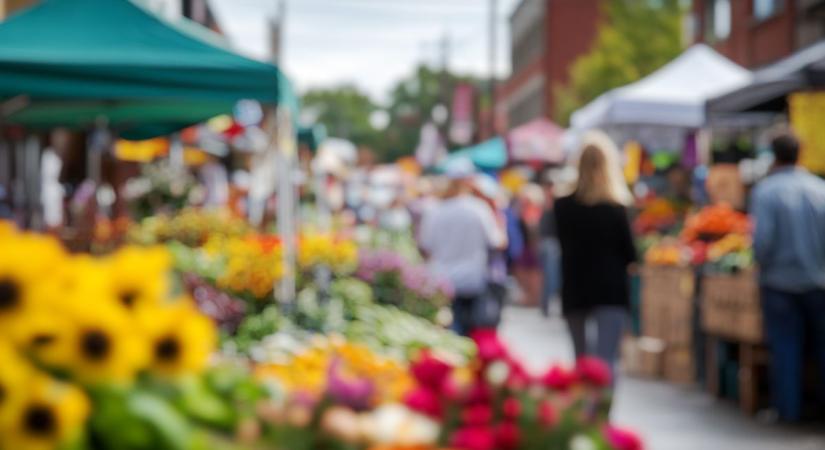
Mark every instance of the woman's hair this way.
pixel 600 176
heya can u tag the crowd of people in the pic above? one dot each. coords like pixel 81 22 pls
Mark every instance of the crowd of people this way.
pixel 577 248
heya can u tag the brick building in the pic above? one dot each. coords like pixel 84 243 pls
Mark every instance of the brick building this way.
pixel 754 33
pixel 546 37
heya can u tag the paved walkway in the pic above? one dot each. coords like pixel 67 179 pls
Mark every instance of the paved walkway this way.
pixel 669 417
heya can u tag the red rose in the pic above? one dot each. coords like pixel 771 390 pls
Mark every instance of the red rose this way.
pixel 424 401
pixel 489 345
pixel 479 393
pixel 473 438
pixel 431 372
pixel 559 378
pixel 548 416
pixel 593 371
pixel 518 378
pixel 508 436
pixel 620 439
pixel 511 408
pixel 479 414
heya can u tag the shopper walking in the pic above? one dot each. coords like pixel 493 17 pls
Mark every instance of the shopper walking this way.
pixel 789 243
pixel 456 237
pixel 549 250
pixel 597 251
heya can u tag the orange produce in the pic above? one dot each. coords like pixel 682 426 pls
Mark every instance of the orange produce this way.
pixel 714 222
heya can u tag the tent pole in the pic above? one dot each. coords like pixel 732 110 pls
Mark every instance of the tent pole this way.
pixel 287 203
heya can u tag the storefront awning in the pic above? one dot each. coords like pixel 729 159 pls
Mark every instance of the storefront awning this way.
pixel 771 85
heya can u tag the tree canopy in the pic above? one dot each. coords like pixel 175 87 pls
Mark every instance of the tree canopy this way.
pixel 636 38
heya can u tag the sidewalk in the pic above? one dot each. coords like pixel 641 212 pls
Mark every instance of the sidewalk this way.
pixel 669 417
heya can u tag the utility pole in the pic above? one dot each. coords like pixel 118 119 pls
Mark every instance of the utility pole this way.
pixel 493 38
pixel 444 49
pixel 276 34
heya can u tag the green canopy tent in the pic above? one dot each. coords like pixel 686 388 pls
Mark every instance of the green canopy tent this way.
pixel 77 61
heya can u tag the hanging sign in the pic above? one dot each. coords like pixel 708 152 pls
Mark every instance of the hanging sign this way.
pixel 807 114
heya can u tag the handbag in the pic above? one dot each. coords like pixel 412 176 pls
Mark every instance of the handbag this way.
pixel 487 307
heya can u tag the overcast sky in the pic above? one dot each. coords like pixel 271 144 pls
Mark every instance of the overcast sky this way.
pixel 372 43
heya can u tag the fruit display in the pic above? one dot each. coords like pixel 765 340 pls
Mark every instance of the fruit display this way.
pixel 714 222
pixel 657 215
pixel 669 252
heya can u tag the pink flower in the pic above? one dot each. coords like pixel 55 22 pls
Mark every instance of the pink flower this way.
pixel 480 414
pixel 548 416
pixel 489 345
pixel 479 393
pixel 518 378
pixel 356 393
pixel 511 408
pixel 593 371
pixel 559 378
pixel 431 372
pixel 508 436
pixel 620 439
pixel 424 401
pixel 473 438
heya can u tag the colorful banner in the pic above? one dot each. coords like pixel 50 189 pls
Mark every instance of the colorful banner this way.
pixel 807 114
pixel 462 126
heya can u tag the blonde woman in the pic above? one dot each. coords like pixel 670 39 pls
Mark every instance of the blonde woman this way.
pixel 597 250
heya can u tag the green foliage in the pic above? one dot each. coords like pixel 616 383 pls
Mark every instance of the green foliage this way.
pixel 345 111
pixel 638 37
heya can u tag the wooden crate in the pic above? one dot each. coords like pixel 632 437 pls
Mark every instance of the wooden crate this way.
pixel 731 307
pixel 667 304
pixel 643 357
pixel 680 365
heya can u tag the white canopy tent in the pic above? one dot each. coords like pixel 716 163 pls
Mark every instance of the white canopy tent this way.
pixel 673 96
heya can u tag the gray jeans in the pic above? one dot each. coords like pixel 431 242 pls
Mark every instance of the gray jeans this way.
pixel 607 322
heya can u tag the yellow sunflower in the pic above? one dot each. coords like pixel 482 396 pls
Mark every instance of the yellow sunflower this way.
pixel 139 275
pixel 26 263
pixel 13 376
pixel 7 229
pixel 52 413
pixel 95 339
pixel 180 337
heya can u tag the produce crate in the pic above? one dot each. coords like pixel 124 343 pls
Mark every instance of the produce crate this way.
pixel 643 357
pixel 667 304
pixel 679 365
pixel 730 307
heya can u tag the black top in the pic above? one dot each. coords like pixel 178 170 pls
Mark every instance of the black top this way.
pixel 597 247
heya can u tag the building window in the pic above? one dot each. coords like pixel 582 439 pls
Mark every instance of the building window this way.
pixel 764 9
pixel 717 20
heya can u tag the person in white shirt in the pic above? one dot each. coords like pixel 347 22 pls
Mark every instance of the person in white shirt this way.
pixel 456 237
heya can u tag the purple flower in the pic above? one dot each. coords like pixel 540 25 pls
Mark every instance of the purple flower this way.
pixel 355 393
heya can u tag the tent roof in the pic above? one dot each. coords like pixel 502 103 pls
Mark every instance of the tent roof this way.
pixel 674 95
pixel 488 155
pixel 116 52
pixel 770 85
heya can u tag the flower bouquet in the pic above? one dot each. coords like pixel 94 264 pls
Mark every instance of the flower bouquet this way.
pixel 497 405
pixel 98 353
pixel 395 281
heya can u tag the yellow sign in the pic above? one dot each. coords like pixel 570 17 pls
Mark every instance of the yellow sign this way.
pixel 632 161
pixel 807 114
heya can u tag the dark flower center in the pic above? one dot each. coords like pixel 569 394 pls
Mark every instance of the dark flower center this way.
pixel 39 340
pixel 128 298
pixel 167 349
pixel 9 294
pixel 40 420
pixel 95 345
